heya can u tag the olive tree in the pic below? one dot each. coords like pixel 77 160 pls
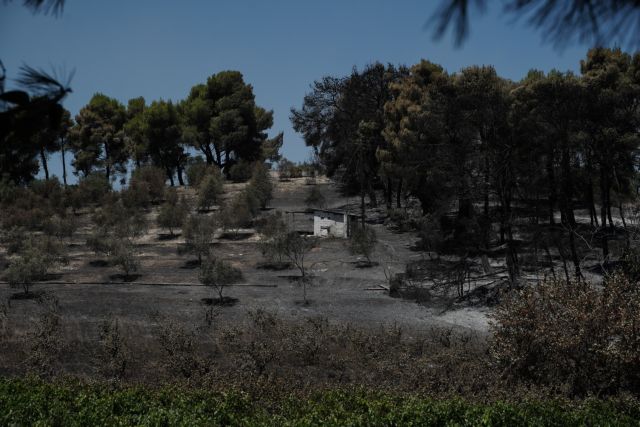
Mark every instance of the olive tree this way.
pixel 209 191
pixel 296 248
pixel 218 274
pixel 124 255
pixel 33 262
pixel 261 184
pixel 173 212
pixel 237 214
pixel 199 232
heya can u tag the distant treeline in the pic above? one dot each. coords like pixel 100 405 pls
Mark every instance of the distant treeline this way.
pixel 218 119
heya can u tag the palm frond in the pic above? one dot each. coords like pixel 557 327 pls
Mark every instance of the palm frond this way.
pixel 43 83
pixel 53 7
pixel 456 13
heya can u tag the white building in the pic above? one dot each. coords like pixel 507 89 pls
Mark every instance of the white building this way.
pixel 328 223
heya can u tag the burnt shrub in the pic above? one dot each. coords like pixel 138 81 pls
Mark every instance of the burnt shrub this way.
pixel 571 334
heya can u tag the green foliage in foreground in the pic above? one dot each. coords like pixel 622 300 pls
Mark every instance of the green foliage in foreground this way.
pixel 27 402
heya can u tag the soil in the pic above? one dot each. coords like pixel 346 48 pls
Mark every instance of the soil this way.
pixel 167 283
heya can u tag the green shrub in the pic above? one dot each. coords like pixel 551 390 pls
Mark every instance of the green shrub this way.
pixel 33 402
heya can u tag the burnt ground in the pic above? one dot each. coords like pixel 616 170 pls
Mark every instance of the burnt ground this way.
pixel 88 291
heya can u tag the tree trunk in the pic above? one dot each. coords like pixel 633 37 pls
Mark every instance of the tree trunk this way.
pixel 552 190
pixel 43 159
pixel 624 222
pixel 593 213
pixel 362 207
pixel 180 178
pixel 574 254
pixel 567 188
pixel 609 208
pixel 399 194
pixel 64 164
pixel 603 197
pixel 389 193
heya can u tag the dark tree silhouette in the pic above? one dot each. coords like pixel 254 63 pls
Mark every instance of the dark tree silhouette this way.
pixel 560 21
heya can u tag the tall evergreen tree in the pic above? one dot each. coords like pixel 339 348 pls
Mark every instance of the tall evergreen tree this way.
pixel 97 139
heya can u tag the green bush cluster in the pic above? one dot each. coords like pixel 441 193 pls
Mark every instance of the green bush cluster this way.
pixel 30 402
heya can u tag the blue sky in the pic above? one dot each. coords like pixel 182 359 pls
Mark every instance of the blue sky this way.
pixel 160 48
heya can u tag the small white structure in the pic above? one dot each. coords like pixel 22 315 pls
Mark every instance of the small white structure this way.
pixel 328 223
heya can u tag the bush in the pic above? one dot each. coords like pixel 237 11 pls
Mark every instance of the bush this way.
pixel 572 334
pixel 50 190
pixel 630 263
pixel 136 196
pixel 36 402
pixel 61 226
pixel 14 239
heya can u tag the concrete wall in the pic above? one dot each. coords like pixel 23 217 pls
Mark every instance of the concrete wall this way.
pixel 327 224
